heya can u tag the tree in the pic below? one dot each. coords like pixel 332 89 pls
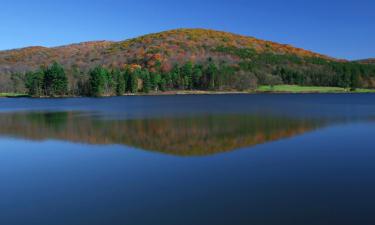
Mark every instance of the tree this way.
pixel 175 77
pixel 245 81
pixel 187 75
pixel 355 80
pixel 34 83
pixel 211 72
pixel 18 82
pixel 146 81
pixel 79 84
pixel 109 82
pixel 166 81
pixel 197 76
pixel 273 80
pixel 127 72
pixel 163 84
pixel 97 81
pixel 55 80
pixel 120 82
pixel 155 79
pixel 132 85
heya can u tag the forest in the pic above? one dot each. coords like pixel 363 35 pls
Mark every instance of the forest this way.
pixel 261 69
pixel 182 59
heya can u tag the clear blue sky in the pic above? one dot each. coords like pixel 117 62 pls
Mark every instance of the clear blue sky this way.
pixel 340 28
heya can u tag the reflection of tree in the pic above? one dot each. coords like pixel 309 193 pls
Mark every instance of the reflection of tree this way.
pixel 53 120
pixel 199 135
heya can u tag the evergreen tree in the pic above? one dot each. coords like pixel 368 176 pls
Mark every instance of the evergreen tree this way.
pixel 132 85
pixel 354 84
pixel 157 80
pixel 109 83
pixel 126 75
pixel 146 81
pixel 153 84
pixel 211 73
pixel 197 76
pixel 187 75
pixel 34 83
pixel 55 80
pixel 166 81
pixel 120 82
pixel 163 84
pixel 97 81
pixel 175 77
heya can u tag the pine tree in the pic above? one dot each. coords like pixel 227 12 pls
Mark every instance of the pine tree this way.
pixel 146 81
pixel 34 83
pixel 55 80
pixel 97 81
pixel 197 75
pixel 211 73
pixel 120 82
pixel 187 75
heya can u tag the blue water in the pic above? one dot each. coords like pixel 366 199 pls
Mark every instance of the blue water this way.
pixel 313 165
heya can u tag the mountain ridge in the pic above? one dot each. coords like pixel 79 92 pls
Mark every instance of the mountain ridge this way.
pixel 158 33
pixel 29 55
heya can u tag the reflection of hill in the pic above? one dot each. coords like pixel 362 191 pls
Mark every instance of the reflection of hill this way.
pixel 201 135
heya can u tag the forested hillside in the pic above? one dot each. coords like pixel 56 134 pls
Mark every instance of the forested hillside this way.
pixel 183 59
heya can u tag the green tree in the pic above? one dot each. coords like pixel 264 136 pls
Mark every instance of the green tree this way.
pixel 120 82
pixel 175 77
pixel 166 81
pixel 55 80
pixel 132 84
pixel 197 76
pixel 187 75
pixel 34 83
pixel 211 73
pixel 80 81
pixel 146 81
pixel 109 83
pixel 163 84
pixel 97 81
pixel 155 79
pixel 355 78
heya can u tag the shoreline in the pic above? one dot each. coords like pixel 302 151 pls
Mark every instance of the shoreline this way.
pixel 278 89
pixel 182 93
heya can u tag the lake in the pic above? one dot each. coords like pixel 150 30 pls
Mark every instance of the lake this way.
pixel 259 159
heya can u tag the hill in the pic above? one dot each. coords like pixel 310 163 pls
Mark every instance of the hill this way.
pixel 170 47
pixel 237 62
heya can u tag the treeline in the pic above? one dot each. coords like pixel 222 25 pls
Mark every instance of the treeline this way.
pixel 306 71
pixel 49 81
pixel 101 81
pixel 253 70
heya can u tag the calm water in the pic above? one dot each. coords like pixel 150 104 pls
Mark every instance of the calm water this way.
pixel 230 159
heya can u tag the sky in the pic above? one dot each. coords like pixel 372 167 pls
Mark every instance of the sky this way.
pixel 342 29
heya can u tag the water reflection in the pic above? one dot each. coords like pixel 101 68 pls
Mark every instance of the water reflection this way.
pixel 185 136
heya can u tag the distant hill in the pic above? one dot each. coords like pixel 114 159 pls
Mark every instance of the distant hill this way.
pixel 238 60
pixel 175 46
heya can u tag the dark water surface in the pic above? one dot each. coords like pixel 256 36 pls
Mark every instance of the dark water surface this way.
pixel 220 159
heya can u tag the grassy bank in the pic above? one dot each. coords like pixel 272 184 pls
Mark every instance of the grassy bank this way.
pixel 309 89
pixel 12 95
